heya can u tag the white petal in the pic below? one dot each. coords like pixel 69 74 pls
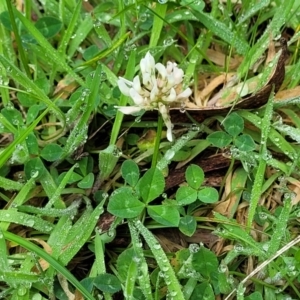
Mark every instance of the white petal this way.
pixel 169 67
pixel 165 115
pixel 143 66
pixel 146 79
pixel 172 96
pixel 136 84
pixel 154 93
pixel 136 97
pixel 128 110
pixel 147 63
pixel 161 70
pixel 170 81
pixel 124 85
pixel 185 94
pixel 150 61
pixel 178 75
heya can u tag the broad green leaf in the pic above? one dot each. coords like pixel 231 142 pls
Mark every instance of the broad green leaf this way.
pixel 74 177
pixel 244 142
pixel 233 124
pixel 223 282
pixel 20 154
pixel 194 176
pixel 34 168
pixel 255 296
pixel 88 283
pixel 107 283
pixel 205 290
pixel 205 262
pixel 164 214
pixel 186 195
pixel 208 195
pixel 195 5
pixel 123 261
pixel 151 185
pixel 52 152
pixel 13 116
pixel 130 172
pixel 86 165
pixel 87 181
pixel 90 52
pixel 25 99
pixel 5 20
pixel 181 155
pixel 33 112
pixel 32 144
pixel 188 225
pixel 219 139
pixel 48 26
pixel 122 203
pixel 108 159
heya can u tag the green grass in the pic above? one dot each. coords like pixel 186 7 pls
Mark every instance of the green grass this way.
pixel 90 201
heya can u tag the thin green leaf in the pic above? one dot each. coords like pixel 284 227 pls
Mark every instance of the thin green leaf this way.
pixel 52 53
pixel 47 257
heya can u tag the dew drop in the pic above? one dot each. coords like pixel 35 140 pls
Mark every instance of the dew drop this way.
pixel 194 248
pixel 157 246
pixel 143 18
pixel 238 248
pixel 168 41
pixel 30 222
pixel 169 154
pixel 22 291
pixel 195 127
pixel 222 268
pixel 34 174
pixel 262 215
pixel 117 152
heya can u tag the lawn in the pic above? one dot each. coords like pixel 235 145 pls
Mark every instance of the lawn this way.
pixel 149 149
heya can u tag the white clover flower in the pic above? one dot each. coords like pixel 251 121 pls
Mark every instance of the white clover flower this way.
pixel 158 89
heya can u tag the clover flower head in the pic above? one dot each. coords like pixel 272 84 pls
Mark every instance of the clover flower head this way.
pixel 158 87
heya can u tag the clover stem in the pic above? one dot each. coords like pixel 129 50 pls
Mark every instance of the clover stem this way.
pixel 157 141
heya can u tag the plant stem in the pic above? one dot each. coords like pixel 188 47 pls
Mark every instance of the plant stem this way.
pixel 157 141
